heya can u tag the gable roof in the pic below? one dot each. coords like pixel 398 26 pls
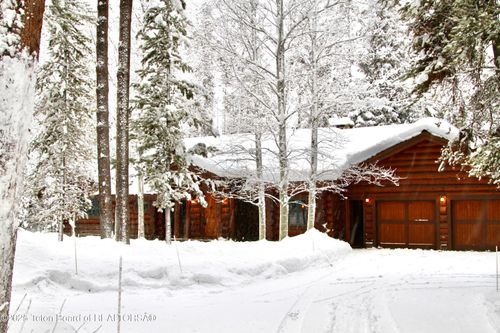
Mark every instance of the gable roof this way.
pixel 233 155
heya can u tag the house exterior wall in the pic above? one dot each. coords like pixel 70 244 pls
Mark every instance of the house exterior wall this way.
pixel 431 209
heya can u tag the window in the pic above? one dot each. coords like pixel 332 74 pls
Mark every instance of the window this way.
pixel 94 210
pixel 297 214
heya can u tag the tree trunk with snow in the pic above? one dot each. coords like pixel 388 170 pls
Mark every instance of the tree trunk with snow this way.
pixel 255 54
pixel 168 226
pixel 282 119
pixel 140 206
pixel 261 200
pixel 314 115
pixel 63 183
pixel 122 124
pixel 16 108
pixel 102 93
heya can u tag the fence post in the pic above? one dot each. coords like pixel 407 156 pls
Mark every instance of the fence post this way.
pixel 496 258
pixel 119 295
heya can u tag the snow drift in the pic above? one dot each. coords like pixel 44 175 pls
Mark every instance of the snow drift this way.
pixel 153 264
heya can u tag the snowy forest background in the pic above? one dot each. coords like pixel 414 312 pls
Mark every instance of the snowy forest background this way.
pixel 173 69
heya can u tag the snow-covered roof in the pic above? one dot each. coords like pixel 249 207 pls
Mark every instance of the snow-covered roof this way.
pixel 233 155
pixel 343 121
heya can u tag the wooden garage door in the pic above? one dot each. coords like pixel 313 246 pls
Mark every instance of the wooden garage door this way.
pixel 476 224
pixel 406 224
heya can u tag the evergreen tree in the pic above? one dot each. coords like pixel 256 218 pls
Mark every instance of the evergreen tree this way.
pixel 63 148
pixel 458 52
pixel 162 103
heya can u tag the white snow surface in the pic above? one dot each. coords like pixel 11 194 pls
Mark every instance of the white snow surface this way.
pixel 308 283
pixel 338 149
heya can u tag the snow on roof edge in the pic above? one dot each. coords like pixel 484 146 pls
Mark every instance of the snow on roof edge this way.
pixel 434 126
pixel 362 143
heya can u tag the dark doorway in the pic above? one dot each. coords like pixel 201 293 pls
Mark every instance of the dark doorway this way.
pixel 246 221
pixel 357 225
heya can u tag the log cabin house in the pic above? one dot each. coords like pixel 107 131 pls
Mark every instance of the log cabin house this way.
pixel 430 208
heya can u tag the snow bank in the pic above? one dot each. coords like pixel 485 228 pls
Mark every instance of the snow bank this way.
pixel 44 263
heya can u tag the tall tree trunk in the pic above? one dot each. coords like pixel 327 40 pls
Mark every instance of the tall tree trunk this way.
pixel 282 119
pixel 16 108
pixel 314 118
pixel 102 93
pixel 311 206
pixel 60 231
pixel 62 169
pixel 255 55
pixel 32 21
pixel 122 121
pixel 261 203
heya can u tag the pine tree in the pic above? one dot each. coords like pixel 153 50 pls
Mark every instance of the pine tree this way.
pixel 162 104
pixel 62 179
pixel 457 44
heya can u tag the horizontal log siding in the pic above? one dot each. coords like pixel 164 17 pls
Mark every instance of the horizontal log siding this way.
pixel 90 226
pixel 417 167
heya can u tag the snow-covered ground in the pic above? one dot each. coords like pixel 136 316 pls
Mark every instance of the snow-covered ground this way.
pixel 309 283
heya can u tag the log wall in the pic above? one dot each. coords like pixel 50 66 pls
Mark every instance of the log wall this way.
pixel 90 225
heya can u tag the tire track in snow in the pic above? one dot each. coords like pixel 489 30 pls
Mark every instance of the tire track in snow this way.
pixel 293 319
pixel 359 303
pixel 294 312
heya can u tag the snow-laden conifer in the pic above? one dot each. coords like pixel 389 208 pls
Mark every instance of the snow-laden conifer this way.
pixel 162 106
pixel 457 49
pixel 63 148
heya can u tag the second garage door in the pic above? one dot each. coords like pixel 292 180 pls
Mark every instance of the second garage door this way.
pixel 476 224
pixel 406 224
